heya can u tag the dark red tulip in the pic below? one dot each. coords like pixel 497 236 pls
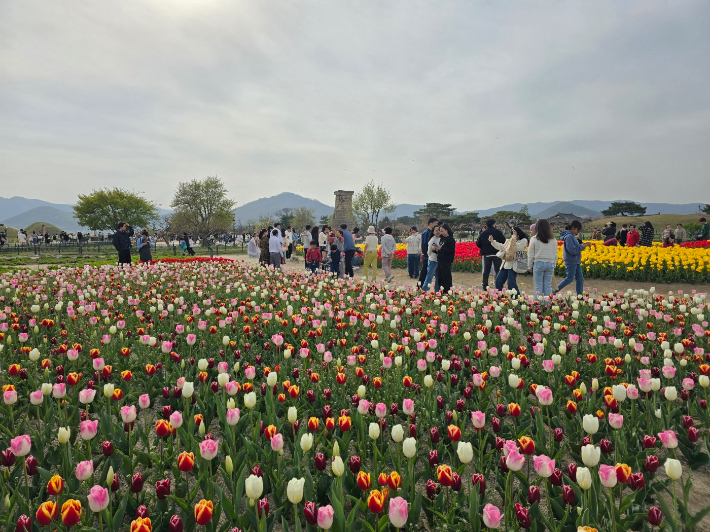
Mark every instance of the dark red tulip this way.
pixel 456 482
pixel 479 479
pixel 175 524
pixel 8 457
pixel 412 430
pixel 115 485
pixel 434 434
pixel 310 512
pixel 637 481
pixel 495 423
pixel 262 506
pixel 501 409
pixel 693 434
pixel 167 411
pixel 558 434
pixel 502 465
pixel 142 511
pixel 449 416
pixel 137 483
pixel 433 458
pixel 649 442
pixel 431 489
pixel 162 488
pixel 572 471
pixel 687 421
pixel 256 471
pixel 651 464
pixel 522 515
pixel 166 392
pixel 354 464
pixel 586 441
pixel 703 404
pixel 24 524
pixel 327 393
pixel 311 396
pixel 31 465
pixel 454 379
pixel 320 461
pixel 500 443
pixel 439 402
pixel 568 495
pixel 654 516
pixel 107 448
pixel 533 494
pixel 684 395
pixel 556 477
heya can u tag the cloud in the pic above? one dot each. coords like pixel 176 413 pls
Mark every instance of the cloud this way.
pixel 474 104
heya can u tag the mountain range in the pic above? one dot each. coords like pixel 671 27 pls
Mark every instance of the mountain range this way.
pixel 20 212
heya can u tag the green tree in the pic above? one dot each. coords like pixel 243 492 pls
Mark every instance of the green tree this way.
pixel 512 219
pixel 285 216
pixel 624 208
pixel 706 208
pixel 325 220
pixel 466 222
pixel 104 208
pixel 303 216
pixel 441 211
pixel 370 202
pixel 201 207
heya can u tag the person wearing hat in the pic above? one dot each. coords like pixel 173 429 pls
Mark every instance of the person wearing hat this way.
pixel 488 252
pixel 370 252
pixel 122 242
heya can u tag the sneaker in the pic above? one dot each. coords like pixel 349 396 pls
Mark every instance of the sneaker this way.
pixel 356 268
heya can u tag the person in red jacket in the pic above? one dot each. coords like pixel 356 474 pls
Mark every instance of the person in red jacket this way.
pixel 632 239
pixel 314 256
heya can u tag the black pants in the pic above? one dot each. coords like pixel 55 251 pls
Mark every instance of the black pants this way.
pixel 490 261
pixel 289 250
pixel 349 254
pixel 423 270
pixel 124 257
pixel 444 273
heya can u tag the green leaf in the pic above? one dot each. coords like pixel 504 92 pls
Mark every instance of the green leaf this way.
pixel 180 502
pixel 338 514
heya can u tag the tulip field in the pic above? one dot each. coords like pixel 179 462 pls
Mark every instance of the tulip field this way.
pixel 212 395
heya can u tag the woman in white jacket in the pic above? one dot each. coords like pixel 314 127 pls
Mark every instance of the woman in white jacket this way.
pixel 509 270
pixel 542 257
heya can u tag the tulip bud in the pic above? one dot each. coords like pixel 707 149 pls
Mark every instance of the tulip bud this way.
pixel 228 465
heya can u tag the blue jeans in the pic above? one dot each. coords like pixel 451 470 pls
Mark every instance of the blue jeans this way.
pixel 430 274
pixel 413 265
pixel 574 272
pixel 542 277
pixel 507 275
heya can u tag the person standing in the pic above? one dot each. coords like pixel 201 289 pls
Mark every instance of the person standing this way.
pixel 253 247
pixel 122 242
pixel 313 256
pixel 445 257
pixel 542 257
pixel 509 270
pixel 370 252
pixel 306 238
pixel 622 235
pixel 414 246
pixel 264 253
pixel 572 257
pixel 433 261
pixel 632 239
pixel 388 247
pixel 426 236
pixel 646 235
pixel 348 249
pixel 488 253
pixel 22 237
pixel 680 234
pixel 288 242
pixel 334 260
pixel 704 233
pixel 275 249
pixel 144 244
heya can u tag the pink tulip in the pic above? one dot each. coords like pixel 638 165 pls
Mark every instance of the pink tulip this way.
pixel 208 449
pixel 548 366
pixel 21 445
pixel 277 442
pixel 668 372
pixel 166 347
pixel 10 397
pixel 632 392
pixel 668 439
pixel 421 364
pixel 544 395
pixel 176 419
pixel 144 401
pixel 645 384
pixel 387 362
pixel 538 349
pixel 380 410
pixel 398 512
pixel 328 357
pixel 430 357
pixel 88 429
pixel 491 516
pixel 544 465
pixel 191 339
pixel 515 461
pixel 408 406
pixel 478 419
pixel 128 413
pixel 222 367
pixel 363 406
pixel 616 420
pixel 98 364
pixel 233 416
pixel 98 499
pixel 688 383
pixel 36 397
pixel 277 339
pixel 607 474
pixel 84 470
pixel 232 387
pixel 477 379
pixel 352 360
pixel 645 373
pixel 179 329
pixel 325 517
pixel 250 372
pixel 494 371
pixel 86 396
pixel 509 446
pixel 59 390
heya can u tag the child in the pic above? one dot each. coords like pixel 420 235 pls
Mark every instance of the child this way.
pixel 334 260
pixel 313 256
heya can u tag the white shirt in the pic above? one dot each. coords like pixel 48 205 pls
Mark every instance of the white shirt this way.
pixel 433 241
pixel 274 244
pixel 371 243
pixel 322 239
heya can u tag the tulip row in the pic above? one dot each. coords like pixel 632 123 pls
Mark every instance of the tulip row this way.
pixel 210 394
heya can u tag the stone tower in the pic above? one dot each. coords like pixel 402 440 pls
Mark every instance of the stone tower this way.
pixel 343 213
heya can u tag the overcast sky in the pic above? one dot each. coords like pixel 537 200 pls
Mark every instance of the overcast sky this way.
pixel 472 103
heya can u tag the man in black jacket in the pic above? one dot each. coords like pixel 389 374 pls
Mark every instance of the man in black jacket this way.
pixel 426 236
pixel 622 234
pixel 122 242
pixel 488 252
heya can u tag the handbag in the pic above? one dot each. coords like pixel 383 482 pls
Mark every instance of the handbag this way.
pixel 521 261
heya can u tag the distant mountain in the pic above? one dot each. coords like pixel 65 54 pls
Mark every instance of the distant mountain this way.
pixel 45 214
pixel 10 207
pixel 568 208
pixel 286 200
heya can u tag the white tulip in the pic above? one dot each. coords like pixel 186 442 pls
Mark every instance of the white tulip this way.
pixel 338 466
pixel 292 414
pixel 397 433
pixel 306 442
pixel 254 487
pixel 591 455
pixel 250 400
pixel 674 469
pixel 465 452
pixel 584 478
pixel 374 431
pixel 409 447
pixel 188 388
pixel 294 490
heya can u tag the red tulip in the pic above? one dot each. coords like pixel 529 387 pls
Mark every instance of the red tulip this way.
pixel 651 464
pixel 637 481
pixel 310 512
pixel 654 516
pixel 533 494
pixel 568 495
pixel 649 442
pixel 175 524
pixel 262 506
pixel 522 515
pixel 693 434
pixel 162 488
pixel 24 524
pixel 431 489
pixel 137 483
pixel 479 479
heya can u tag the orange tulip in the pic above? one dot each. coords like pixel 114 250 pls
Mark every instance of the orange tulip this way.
pixel 330 423
pixel 514 409
pixel 394 480
pixel 203 512
pixel 340 378
pixel 149 369
pixel 186 461
pixel 117 394
pixel 163 428
pixel 55 485
pixel 71 512
pixel 47 512
pixel 313 424
pixel 363 480
pixel 454 432
pixel 199 418
pixel 141 524
pixel 571 407
pixel 527 445
pixel 126 375
pixel 270 432
pixel 344 423
pixel 294 391
pixel 445 475
pixel 623 473
pixel 407 381
pixel 376 501
pixel 382 479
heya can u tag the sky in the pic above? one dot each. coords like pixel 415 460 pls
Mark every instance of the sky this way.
pixel 471 103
